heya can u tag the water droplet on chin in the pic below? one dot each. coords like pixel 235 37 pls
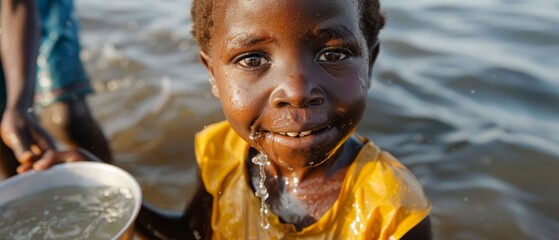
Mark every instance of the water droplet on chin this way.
pixel 260 159
pixel 255 136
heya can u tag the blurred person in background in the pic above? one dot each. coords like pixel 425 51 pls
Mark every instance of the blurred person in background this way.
pixel 62 85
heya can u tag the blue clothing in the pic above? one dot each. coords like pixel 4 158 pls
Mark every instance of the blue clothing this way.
pixel 60 73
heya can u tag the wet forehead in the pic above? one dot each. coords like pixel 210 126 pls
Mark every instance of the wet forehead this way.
pixel 286 10
pixel 240 18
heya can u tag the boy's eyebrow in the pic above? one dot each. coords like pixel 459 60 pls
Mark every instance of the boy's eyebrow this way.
pixel 337 32
pixel 242 40
pixel 245 40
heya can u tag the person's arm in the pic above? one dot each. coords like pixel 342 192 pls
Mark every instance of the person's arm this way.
pixel 19 46
pixel 32 146
pixel 421 231
pixel 19 51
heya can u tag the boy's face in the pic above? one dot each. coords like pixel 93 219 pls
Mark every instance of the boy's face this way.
pixel 295 71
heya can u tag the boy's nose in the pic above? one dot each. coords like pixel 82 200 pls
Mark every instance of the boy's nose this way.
pixel 297 90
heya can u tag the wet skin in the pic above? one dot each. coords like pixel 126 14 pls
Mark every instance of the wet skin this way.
pixel 300 69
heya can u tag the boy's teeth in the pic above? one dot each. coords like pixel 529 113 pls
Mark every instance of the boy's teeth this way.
pixel 296 134
pixel 292 134
pixel 305 133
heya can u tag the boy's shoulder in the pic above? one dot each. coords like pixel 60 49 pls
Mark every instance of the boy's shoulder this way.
pixel 391 192
pixel 381 175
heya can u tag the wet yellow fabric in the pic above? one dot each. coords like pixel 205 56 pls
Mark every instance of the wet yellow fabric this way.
pixel 379 199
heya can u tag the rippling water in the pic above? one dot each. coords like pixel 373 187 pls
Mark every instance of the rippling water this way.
pixel 69 212
pixel 465 94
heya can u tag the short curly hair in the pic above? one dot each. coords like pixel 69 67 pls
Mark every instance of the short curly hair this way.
pixel 372 21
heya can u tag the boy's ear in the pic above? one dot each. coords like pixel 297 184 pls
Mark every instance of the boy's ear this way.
pixel 205 59
pixel 373 54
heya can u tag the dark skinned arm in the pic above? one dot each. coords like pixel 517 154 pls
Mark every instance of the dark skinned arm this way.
pixel 19 46
pixel 25 144
pixel 19 50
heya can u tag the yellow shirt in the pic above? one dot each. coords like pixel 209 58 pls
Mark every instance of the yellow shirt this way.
pixel 379 199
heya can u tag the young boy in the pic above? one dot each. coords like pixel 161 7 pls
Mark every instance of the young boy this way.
pixel 292 77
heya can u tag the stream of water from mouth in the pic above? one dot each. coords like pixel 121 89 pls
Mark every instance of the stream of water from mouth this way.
pixel 261 160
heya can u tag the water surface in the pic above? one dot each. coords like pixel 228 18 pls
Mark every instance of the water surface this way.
pixel 68 212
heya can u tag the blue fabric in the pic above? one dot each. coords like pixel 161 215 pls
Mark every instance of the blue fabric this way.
pixel 60 73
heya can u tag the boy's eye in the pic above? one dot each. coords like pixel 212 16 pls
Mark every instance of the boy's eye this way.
pixel 251 60
pixel 333 55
